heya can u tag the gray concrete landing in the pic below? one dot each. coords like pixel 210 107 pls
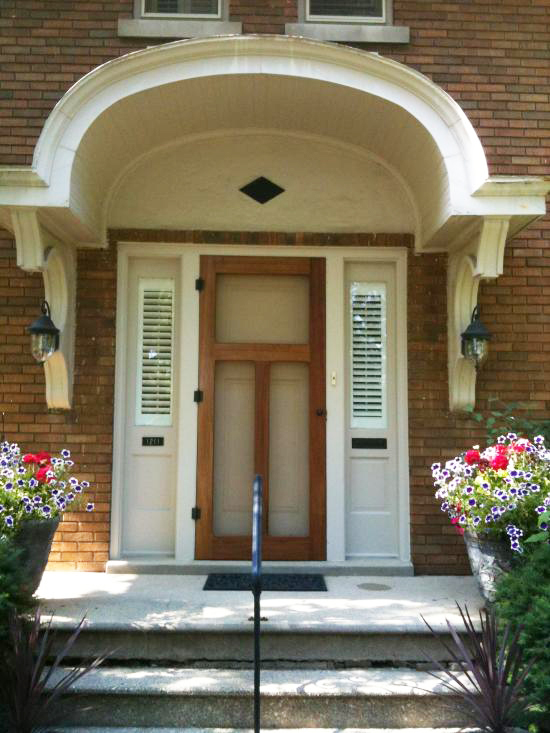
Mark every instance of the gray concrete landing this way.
pixel 359 604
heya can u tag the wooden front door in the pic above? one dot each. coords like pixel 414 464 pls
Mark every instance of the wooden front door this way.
pixel 262 378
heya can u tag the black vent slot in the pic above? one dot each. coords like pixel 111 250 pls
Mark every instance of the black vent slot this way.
pixel 369 443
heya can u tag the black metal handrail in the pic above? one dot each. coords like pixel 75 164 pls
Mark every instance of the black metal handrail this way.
pixel 257 503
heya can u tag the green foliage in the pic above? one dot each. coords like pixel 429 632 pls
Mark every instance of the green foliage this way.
pixel 13 596
pixel 523 598
pixel 502 418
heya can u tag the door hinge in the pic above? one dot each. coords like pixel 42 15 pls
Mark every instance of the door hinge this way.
pixel 199 284
pixel 195 513
pixel 198 395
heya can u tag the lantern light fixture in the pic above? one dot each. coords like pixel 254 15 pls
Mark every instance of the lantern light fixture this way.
pixel 44 335
pixel 475 341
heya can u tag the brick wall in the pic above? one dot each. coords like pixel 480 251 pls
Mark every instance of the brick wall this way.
pixel 82 541
pixel 493 58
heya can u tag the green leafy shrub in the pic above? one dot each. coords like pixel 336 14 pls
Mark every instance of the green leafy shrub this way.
pixel 523 598
pixel 503 417
pixel 13 596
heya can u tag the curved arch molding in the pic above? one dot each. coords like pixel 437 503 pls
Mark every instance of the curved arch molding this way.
pixel 39 251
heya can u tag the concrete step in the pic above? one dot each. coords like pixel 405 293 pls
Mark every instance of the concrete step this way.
pixel 201 567
pixel 171 619
pixel 149 697
pixel 250 730
pixel 328 648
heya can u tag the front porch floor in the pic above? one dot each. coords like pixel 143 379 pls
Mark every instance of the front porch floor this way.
pixel 353 604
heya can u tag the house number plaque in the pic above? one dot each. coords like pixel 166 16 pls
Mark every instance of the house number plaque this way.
pixel 150 440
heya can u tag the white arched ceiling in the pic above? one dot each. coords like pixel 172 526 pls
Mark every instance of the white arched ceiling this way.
pixel 195 184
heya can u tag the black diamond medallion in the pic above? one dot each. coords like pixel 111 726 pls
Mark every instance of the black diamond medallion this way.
pixel 262 190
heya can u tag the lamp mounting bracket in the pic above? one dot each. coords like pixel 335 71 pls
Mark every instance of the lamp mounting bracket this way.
pixel 39 251
pixel 481 257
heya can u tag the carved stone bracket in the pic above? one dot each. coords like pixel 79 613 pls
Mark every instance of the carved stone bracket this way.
pixel 481 258
pixel 39 251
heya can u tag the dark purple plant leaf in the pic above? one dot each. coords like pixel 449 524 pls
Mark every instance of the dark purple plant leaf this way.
pixel 495 670
pixel 26 673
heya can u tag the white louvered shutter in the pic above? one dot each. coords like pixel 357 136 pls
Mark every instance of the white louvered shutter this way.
pixel 368 355
pixel 155 352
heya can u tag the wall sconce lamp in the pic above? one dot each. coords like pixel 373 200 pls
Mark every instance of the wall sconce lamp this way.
pixel 44 335
pixel 475 341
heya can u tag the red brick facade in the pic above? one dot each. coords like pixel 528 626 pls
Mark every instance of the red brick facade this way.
pixel 493 58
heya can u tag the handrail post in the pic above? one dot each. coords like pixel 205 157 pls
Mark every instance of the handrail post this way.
pixel 257 589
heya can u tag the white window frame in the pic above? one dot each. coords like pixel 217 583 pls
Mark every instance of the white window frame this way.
pixel 175 25
pixel 345 29
pixel 310 18
pixel 182 16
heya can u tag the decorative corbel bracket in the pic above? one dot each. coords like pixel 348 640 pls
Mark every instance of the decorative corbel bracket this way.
pixel 39 251
pixel 480 258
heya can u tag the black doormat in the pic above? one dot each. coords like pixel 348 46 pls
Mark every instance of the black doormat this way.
pixel 272 581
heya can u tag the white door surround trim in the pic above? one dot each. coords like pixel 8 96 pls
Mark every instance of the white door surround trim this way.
pixel 336 258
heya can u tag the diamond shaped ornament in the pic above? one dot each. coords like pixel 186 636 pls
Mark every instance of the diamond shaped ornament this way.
pixel 262 190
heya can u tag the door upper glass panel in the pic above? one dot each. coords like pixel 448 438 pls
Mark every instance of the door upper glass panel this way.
pixel 269 309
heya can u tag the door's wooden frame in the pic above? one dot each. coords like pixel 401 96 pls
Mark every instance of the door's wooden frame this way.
pixel 208 546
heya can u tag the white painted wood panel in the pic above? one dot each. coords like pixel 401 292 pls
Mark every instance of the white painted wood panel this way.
pixel 149 471
pixel 372 495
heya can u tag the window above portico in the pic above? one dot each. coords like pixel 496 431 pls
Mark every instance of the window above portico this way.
pixel 363 21
pixel 178 19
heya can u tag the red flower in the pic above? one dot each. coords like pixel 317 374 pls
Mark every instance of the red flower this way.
pixel 483 464
pixel 30 458
pixel 43 457
pixel 502 449
pixel 41 474
pixel 499 461
pixel 471 457
pixel 454 521
pixel 520 446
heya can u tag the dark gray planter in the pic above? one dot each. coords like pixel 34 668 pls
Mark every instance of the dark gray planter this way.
pixel 34 538
pixel 489 561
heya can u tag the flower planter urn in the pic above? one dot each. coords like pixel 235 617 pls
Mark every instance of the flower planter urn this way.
pixel 489 560
pixel 34 538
